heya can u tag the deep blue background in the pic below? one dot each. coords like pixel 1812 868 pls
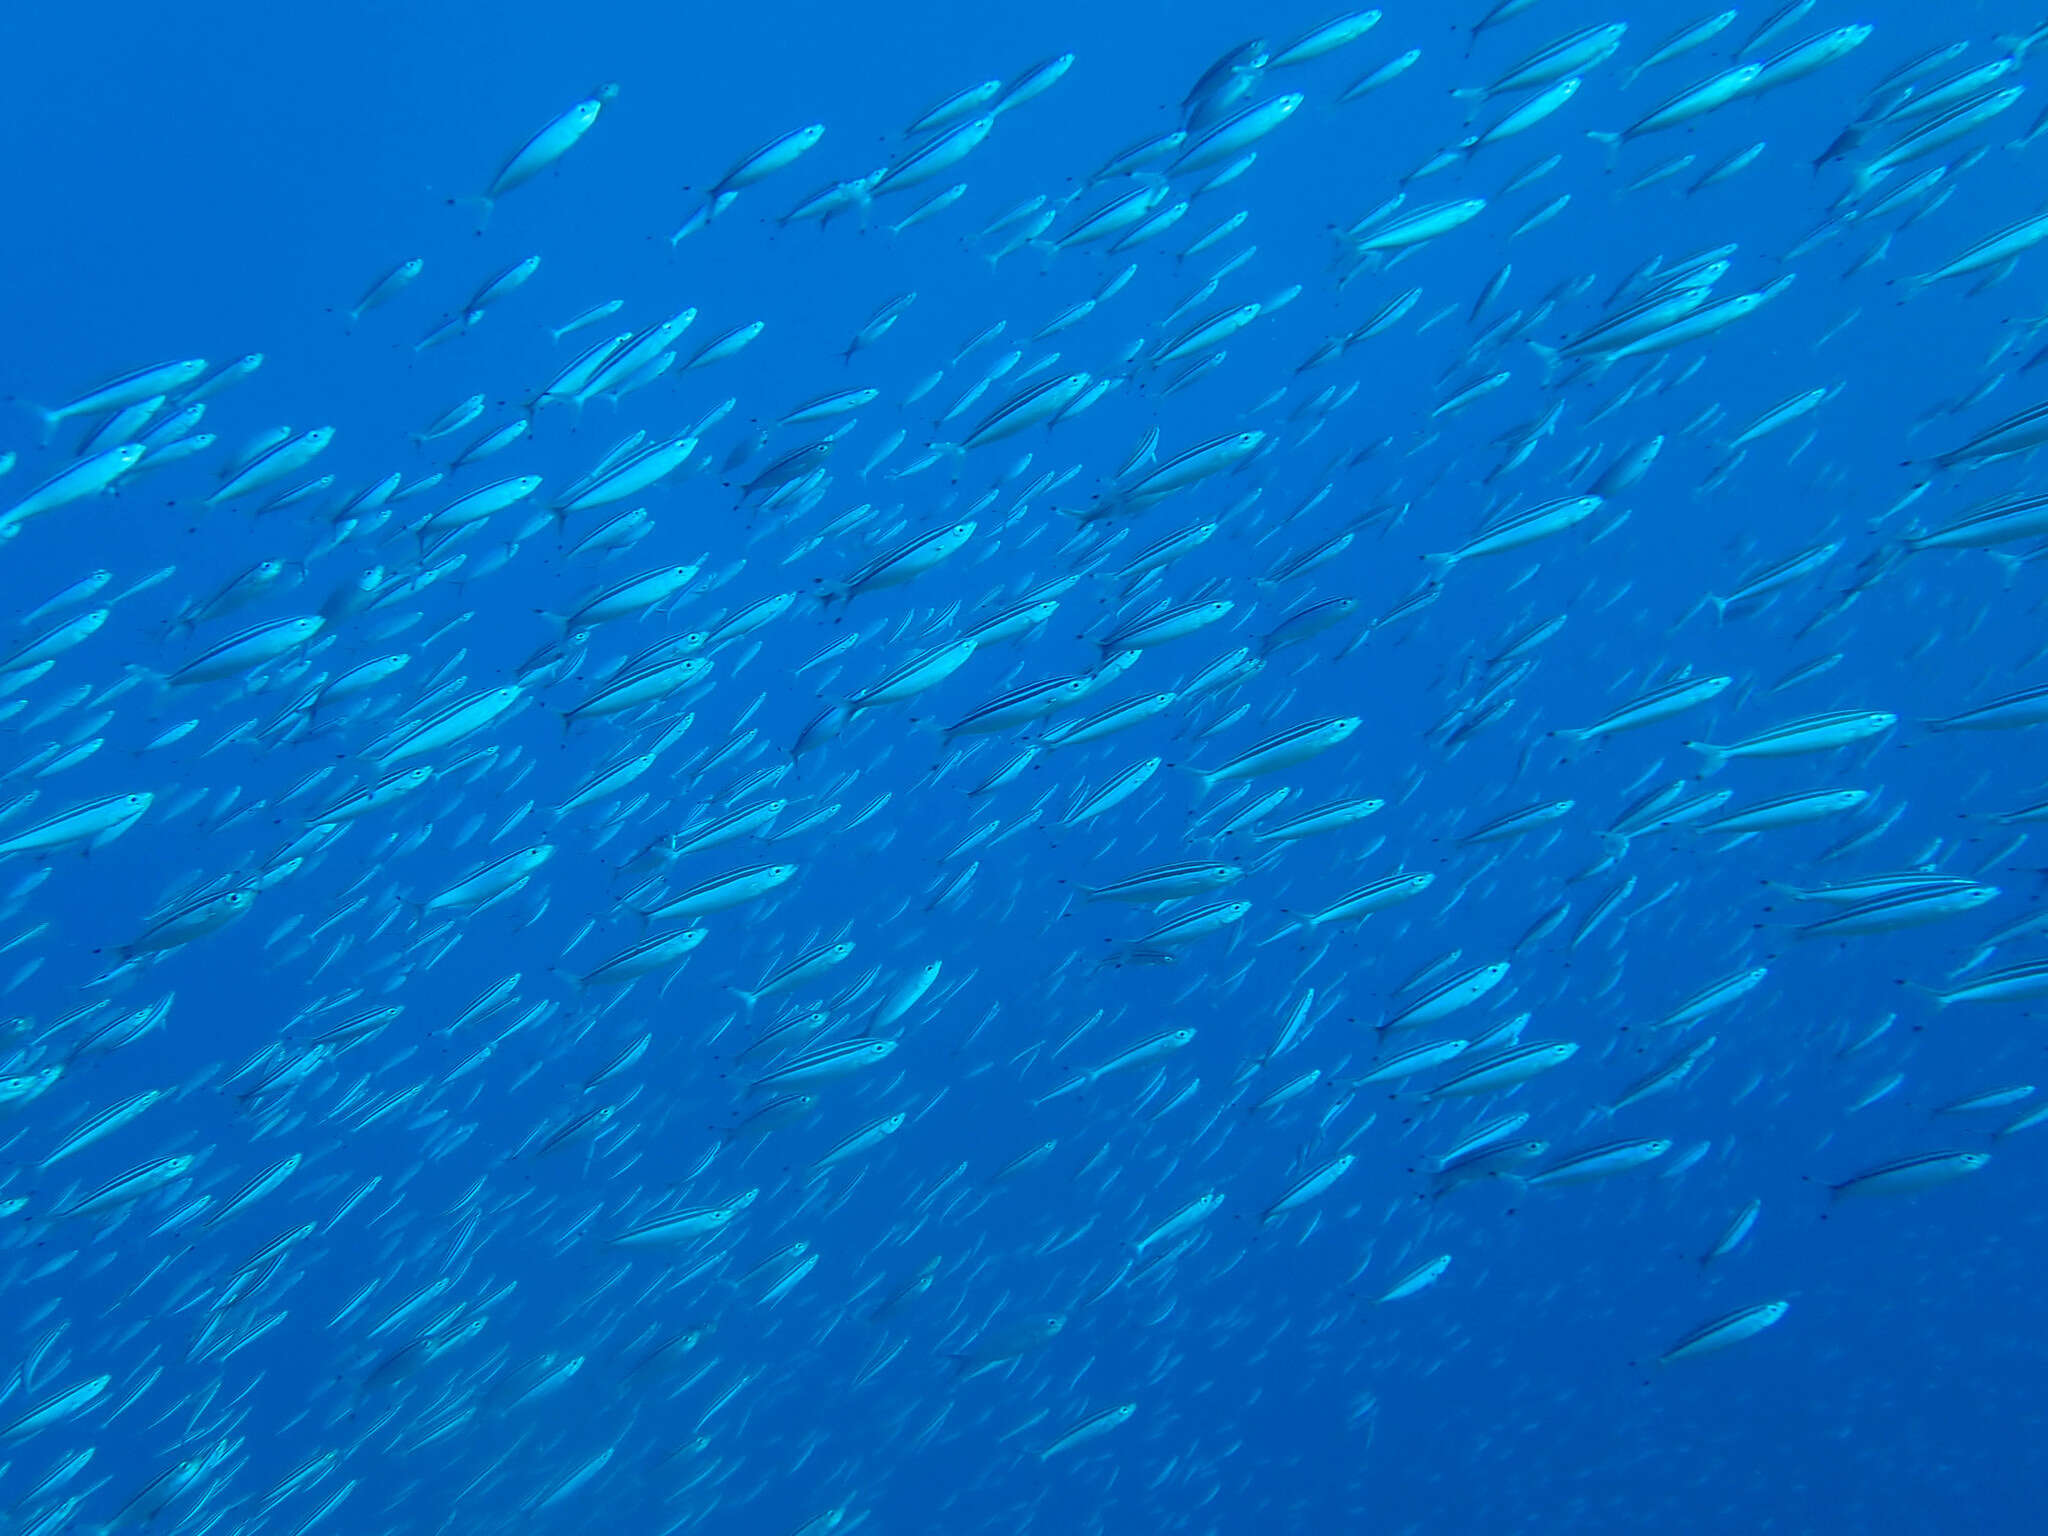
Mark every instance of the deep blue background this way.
pixel 211 183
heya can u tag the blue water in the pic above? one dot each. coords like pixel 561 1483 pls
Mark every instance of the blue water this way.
pixel 187 187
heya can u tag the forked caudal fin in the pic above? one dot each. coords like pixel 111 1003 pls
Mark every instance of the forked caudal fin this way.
pixel 1716 757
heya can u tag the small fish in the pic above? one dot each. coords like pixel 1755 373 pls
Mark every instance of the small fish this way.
pixel 1732 1328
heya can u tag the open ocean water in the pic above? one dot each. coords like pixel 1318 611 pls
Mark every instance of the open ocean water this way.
pixel 1024 843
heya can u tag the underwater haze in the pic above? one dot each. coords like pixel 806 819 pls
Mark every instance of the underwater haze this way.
pixel 1068 768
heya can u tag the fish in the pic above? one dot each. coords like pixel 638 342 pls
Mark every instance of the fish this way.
pixel 1600 1162
pixel 1420 1278
pixel 1816 733
pixel 1910 1175
pixel 1695 101
pixel 1731 1328
pixel 548 143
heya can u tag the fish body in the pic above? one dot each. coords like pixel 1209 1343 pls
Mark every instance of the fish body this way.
pixel 1732 1328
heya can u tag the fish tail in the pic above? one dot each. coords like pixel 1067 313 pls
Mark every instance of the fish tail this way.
pixel 1720 608
pixel 2016 44
pixel 1716 758
pixel 1976 961
pixel 693 223
pixel 48 419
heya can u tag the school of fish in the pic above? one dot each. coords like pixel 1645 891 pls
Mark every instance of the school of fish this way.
pixel 1246 777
